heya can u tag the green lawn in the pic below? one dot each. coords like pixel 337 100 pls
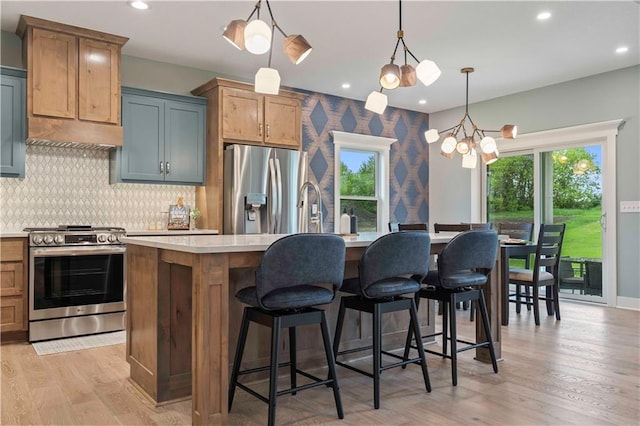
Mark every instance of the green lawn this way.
pixel 583 237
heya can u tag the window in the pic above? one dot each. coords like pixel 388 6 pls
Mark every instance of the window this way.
pixel 362 179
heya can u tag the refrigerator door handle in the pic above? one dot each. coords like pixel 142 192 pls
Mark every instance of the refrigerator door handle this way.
pixel 274 198
pixel 279 201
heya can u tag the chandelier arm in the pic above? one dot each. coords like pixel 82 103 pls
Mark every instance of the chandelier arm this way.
pixel 393 55
pixel 412 55
pixel 256 8
pixel 275 25
pixel 271 43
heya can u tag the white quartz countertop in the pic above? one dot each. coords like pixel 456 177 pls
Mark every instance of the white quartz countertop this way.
pixel 165 232
pixel 15 234
pixel 244 243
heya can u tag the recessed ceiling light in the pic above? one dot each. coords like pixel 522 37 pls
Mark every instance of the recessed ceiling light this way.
pixel 422 101
pixel 622 49
pixel 543 15
pixel 346 85
pixel 140 5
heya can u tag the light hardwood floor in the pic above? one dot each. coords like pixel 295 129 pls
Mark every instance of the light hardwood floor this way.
pixel 582 370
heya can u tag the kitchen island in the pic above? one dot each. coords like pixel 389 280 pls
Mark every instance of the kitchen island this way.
pixel 182 316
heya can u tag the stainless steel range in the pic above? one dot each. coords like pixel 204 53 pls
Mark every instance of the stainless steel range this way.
pixel 76 281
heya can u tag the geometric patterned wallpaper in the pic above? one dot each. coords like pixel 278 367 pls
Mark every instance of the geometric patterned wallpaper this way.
pixel 409 156
pixel 70 186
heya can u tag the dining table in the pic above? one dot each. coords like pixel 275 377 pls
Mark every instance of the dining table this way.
pixel 182 317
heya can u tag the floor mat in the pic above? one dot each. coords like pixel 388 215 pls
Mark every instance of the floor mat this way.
pixel 78 343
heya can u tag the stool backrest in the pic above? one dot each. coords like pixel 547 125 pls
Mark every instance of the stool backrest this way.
pixel 395 254
pixel 301 259
pixel 451 227
pixel 413 227
pixel 474 250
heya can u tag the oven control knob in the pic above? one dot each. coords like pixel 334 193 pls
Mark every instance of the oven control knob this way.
pixel 48 239
pixel 37 239
pixel 102 238
pixel 59 239
pixel 113 238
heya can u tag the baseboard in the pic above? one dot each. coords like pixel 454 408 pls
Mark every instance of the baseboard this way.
pixel 628 303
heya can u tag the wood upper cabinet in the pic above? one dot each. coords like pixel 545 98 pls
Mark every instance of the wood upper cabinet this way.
pixel 250 117
pixel 73 82
pixel 13 286
pixel 236 114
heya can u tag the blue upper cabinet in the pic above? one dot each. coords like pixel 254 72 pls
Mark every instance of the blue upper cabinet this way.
pixel 164 139
pixel 14 114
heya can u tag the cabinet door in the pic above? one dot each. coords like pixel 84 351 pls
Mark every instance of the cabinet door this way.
pixel 13 126
pixel 98 81
pixel 143 147
pixel 184 142
pixel 242 115
pixel 53 74
pixel 283 121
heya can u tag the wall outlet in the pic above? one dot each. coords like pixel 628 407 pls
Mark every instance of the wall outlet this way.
pixel 629 206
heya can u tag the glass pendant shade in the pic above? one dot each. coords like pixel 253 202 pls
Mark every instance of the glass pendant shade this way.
pixel 257 37
pixel 431 135
pixel 488 145
pixel 390 76
pixel 267 81
pixel 376 102
pixel 509 131
pixel 234 33
pixel 407 76
pixel 464 145
pixel 296 48
pixel 428 72
pixel 470 160
pixel 449 145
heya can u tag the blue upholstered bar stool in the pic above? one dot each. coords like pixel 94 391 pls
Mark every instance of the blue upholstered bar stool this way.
pixel 463 267
pixel 296 273
pixel 387 270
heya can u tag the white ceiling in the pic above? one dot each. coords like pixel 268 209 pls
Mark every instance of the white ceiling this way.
pixel 510 50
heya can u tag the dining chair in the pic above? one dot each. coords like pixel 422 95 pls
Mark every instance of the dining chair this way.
pixel 480 226
pixel 296 273
pixel 463 267
pixel 520 231
pixel 451 227
pixel 389 269
pixel 413 227
pixel 543 274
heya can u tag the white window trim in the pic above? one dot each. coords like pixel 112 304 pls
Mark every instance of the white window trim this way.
pixel 603 133
pixel 379 144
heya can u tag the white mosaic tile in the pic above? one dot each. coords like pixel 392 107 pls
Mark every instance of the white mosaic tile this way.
pixel 65 186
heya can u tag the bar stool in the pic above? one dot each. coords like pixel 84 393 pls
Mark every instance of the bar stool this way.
pixel 296 273
pixel 386 272
pixel 463 265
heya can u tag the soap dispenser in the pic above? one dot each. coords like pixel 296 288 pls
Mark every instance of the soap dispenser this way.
pixel 345 222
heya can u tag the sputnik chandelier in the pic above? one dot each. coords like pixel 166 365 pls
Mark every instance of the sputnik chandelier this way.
pixel 466 145
pixel 392 75
pixel 257 37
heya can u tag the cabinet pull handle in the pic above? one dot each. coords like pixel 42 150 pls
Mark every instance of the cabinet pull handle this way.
pixel 168 167
pixel 260 129
pixel 161 167
pixel 268 131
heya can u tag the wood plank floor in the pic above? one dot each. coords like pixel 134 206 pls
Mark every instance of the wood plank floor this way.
pixel 582 370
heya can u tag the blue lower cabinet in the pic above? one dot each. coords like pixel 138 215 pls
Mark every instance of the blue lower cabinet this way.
pixel 164 139
pixel 13 126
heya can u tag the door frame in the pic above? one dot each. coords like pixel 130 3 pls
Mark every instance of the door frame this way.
pixel 602 133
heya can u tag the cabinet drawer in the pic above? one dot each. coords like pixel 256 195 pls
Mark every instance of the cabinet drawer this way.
pixel 12 314
pixel 12 250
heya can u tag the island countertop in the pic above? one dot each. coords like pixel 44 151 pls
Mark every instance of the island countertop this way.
pixel 245 243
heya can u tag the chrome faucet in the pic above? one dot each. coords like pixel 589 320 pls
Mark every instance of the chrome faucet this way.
pixel 316 211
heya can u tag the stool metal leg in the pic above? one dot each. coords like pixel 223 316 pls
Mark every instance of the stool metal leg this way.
pixel 292 357
pixel 273 373
pixel 407 345
pixel 237 361
pixel 331 362
pixel 339 324
pixel 446 308
pixel 377 354
pixel 487 330
pixel 423 359
pixel 454 343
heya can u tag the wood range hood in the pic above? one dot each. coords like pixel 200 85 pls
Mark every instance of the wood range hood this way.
pixel 73 84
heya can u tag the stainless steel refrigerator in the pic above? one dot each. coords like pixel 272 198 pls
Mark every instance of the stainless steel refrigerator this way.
pixel 261 187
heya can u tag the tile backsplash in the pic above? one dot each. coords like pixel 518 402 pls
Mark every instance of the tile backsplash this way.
pixel 65 186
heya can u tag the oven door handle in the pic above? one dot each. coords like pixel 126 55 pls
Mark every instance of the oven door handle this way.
pixel 77 251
